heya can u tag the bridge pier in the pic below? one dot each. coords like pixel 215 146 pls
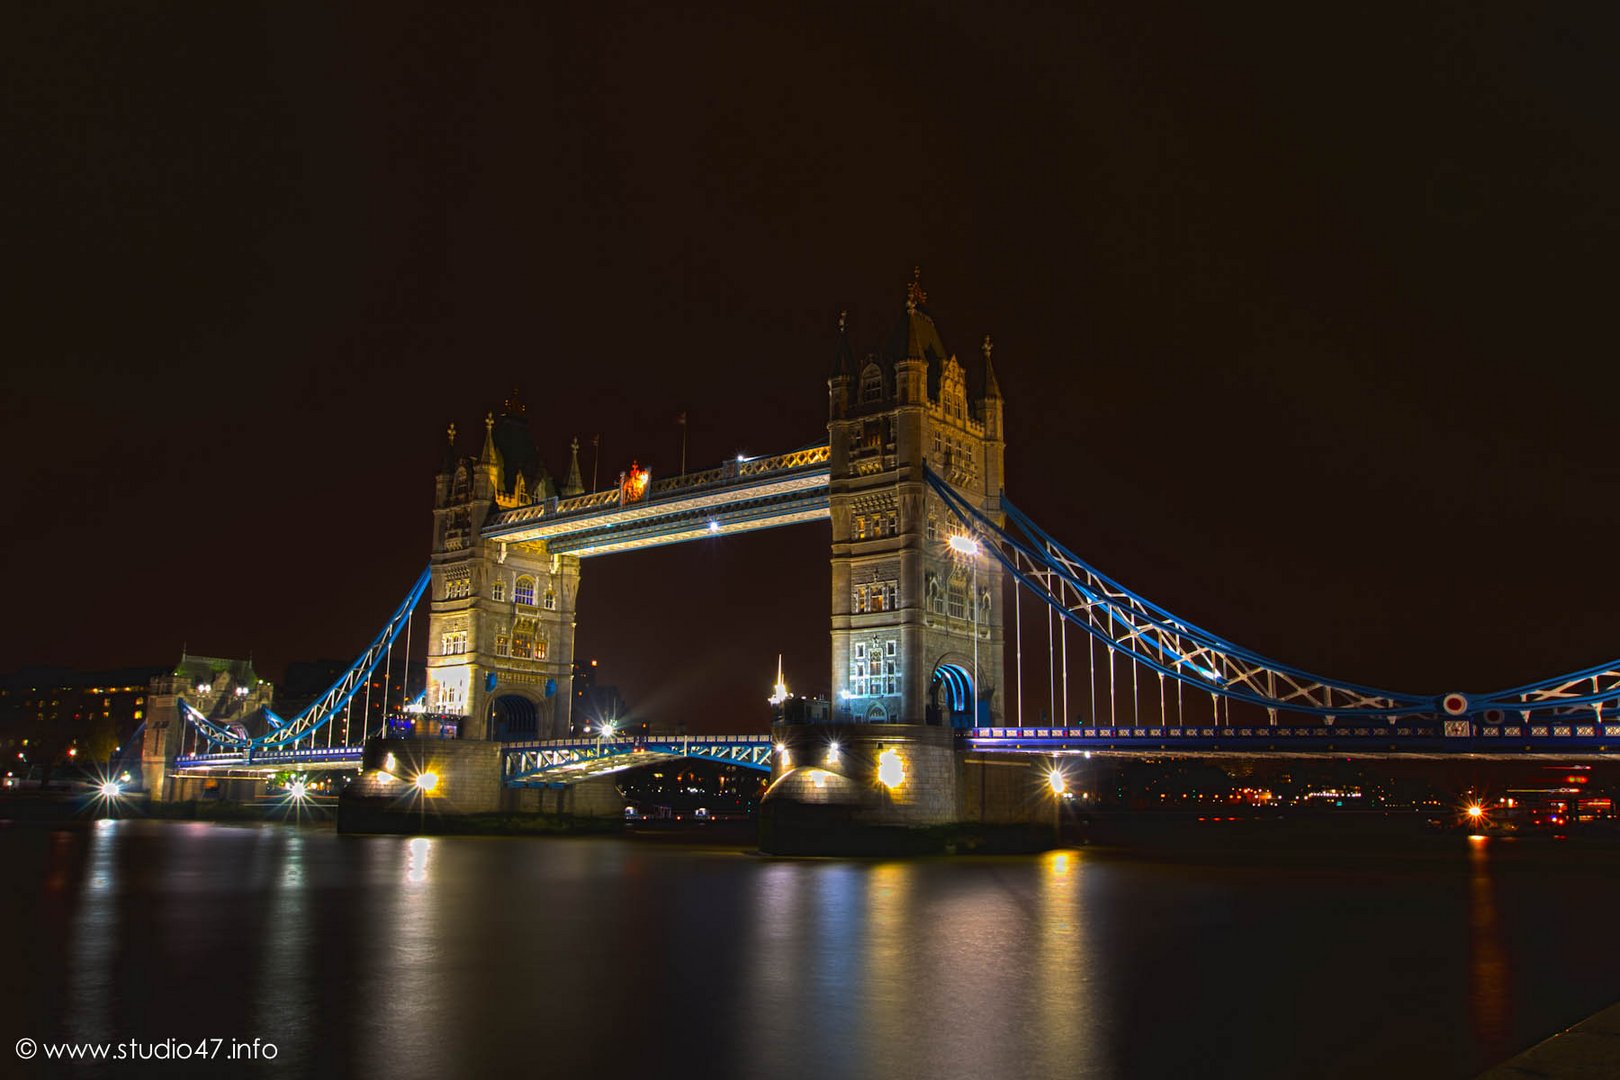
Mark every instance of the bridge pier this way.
pixel 408 785
pixel 881 788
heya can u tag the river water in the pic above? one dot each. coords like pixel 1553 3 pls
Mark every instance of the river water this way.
pixel 448 957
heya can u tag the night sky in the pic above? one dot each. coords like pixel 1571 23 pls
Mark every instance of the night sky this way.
pixel 1305 318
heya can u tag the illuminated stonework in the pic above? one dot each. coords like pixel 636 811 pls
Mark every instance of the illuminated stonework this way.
pixel 501 644
pixel 905 607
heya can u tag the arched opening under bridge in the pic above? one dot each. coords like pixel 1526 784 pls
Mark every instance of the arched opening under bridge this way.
pixel 513 716
pixel 950 696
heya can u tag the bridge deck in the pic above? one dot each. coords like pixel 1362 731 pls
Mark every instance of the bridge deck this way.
pixel 1449 739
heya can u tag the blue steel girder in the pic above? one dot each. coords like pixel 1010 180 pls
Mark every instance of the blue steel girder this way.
pixel 285 734
pixel 1174 648
pixel 1440 738
pixel 325 757
pixel 754 493
pixel 560 760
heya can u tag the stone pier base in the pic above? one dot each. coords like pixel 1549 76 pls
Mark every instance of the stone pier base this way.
pixel 859 789
pixel 415 785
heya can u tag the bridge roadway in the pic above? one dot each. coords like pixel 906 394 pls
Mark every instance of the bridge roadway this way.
pixel 552 762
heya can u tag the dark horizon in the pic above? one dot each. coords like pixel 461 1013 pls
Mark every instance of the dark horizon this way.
pixel 1301 318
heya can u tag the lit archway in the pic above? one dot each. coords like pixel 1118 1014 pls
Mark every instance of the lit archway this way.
pixel 950 695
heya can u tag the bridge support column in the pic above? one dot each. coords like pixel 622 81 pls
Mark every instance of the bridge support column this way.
pixel 848 788
pixel 160 744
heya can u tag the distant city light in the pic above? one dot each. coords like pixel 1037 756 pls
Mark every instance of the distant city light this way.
pixel 891 770
pixel 1476 811
pixel 298 790
pixel 111 789
pixel 963 544
pixel 427 782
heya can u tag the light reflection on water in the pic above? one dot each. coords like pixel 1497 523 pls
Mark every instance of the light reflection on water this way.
pixel 463 956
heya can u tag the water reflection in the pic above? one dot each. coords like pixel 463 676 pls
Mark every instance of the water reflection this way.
pixel 1488 972
pixel 285 1001
pixel 1068 1030
pixel 95 933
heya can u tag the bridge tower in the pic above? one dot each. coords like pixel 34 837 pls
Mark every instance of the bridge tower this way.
pixel 501 635
pixel 907 605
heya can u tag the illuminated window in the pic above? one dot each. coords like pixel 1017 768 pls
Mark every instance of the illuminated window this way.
pixel 453 643
pixel 503 645
pixel 523 638
pixel 497 590
pixel 523 591
pixel 458 583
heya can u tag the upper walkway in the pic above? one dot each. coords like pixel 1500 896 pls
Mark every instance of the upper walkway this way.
pixel 739 496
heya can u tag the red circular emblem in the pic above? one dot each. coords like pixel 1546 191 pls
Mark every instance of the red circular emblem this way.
pixel 1455 704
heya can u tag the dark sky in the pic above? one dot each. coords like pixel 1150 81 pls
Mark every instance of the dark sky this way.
pixel 1304 316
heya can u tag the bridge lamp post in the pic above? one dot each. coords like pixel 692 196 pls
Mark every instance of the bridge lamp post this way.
pixel 968 546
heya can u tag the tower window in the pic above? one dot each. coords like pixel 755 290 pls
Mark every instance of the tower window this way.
pixel 551 600
pixel 523 639
pixel 497 590
pixel 872 384
pixel 523 591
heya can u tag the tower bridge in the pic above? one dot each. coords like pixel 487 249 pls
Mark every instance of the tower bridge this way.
pixel 931 567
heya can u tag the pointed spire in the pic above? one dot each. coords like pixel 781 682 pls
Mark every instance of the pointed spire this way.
pixel 574 485
pixel 843 355
pixel 992 389
pixel 487 457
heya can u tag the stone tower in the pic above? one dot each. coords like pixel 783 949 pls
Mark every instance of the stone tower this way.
pixel 907 606
pixel 501 637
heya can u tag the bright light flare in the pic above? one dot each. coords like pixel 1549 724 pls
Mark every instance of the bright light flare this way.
pixel 111 789
pixel 891 770
pixel 427 782
pixel 299 790
pixel 1057 781
pixel 832 753
pixel 963 544
pixel 1475 811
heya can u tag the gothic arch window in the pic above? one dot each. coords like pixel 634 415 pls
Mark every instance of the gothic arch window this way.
pixel 876 714
pixel 871 384
pixel 523 591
